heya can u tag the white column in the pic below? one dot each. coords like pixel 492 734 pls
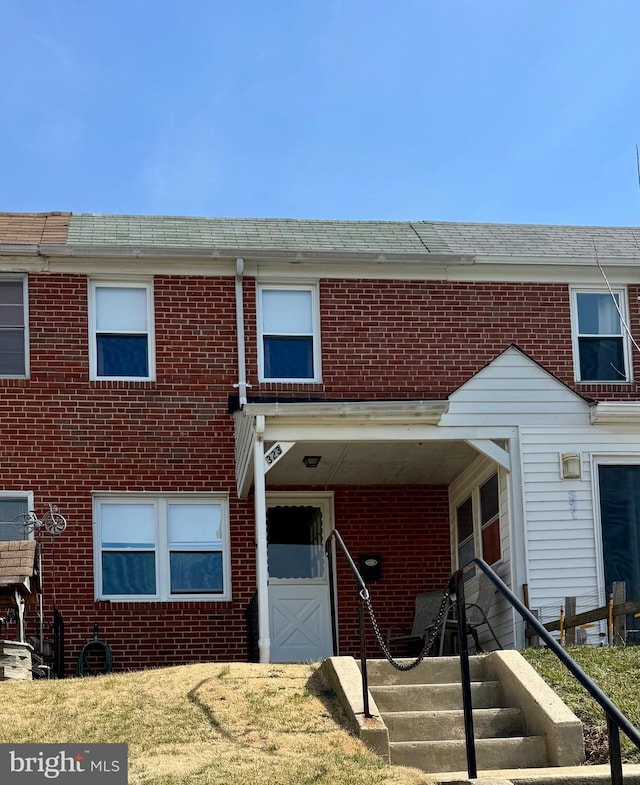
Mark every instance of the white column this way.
pixel 259 490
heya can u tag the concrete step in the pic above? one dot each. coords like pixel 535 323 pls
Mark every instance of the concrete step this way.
pixel 435 697
pixel 449 725
pixel 442 756
pixel 432 670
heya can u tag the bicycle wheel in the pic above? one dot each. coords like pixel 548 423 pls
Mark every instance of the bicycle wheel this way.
pixel 26 522
pixel 53 522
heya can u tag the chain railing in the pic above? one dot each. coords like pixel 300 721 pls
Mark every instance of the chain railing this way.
pixel 364 602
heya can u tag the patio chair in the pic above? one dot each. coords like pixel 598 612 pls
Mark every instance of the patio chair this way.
pixel 477 614
pixel 427 606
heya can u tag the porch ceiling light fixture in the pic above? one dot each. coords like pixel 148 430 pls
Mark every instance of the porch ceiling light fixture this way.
pixel 570 462
pixel 311 461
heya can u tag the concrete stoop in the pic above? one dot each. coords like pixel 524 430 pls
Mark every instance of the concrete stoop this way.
pixel 520 724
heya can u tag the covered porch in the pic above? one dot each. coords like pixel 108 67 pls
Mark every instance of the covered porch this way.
pixel 378 471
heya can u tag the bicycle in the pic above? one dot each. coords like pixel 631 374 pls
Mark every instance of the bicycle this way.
pixel 52 521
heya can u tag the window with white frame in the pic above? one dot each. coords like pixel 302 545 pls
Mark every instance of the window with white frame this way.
pixel 121 318
pixel 162 547
pixel 11 506
pixel 13 327
pixel 600 343
pixel 477 524
pixel 289 333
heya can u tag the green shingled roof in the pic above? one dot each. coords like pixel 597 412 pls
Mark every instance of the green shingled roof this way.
pixel 417 238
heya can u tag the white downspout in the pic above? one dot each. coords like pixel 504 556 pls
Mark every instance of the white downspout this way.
pixel 259 491
pixel 241 384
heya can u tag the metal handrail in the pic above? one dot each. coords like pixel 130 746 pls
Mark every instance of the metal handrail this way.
pixel 363 596
pixel 616 720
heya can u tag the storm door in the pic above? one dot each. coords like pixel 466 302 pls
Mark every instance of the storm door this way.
pixel 619 487
pixel 299 617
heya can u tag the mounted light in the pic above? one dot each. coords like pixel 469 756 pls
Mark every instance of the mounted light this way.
pixel 571 469
pixel 311 461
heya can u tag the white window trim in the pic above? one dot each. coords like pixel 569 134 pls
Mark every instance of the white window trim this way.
pixel 315 326
pixel 574 291
pixel 27 495
pixel 25 315
pixel 151 347
pixel 161 547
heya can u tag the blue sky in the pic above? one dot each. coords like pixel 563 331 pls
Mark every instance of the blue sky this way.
pixel 522 111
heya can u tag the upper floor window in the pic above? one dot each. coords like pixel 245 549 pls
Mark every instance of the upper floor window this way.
pixel 289 333
pixel 162 547
pixel 13 327
pixel 600 343
pixel 121 319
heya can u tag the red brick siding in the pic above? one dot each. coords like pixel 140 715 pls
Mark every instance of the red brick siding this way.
pixel 409 527
pixel 416 339
pixel 65 437
pixel 70 436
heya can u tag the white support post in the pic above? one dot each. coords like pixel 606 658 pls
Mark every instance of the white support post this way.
pixel 259 489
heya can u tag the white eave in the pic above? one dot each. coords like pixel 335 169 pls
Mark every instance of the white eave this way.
pixel 615 412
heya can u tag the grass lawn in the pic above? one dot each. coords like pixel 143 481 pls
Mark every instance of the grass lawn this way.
pixel 222 724
pixel 242 724
pixel 616 671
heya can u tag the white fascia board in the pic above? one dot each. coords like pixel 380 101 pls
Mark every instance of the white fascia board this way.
pixel 338 432
pixel 408 411
pixel 615 412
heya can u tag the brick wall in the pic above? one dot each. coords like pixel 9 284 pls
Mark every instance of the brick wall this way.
pixel 414 339
pixel 65 437
pixel 409 527
pixel 68 437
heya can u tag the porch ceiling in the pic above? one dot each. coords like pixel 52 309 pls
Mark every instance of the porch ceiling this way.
pixel 373 463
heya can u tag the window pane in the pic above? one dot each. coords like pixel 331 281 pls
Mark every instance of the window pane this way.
pixel 11 316
pixel 122 355
pixel 128 573
pixel 9 511
pixel 491 542
pixel 196 572
pixel 12 352
pixel 464 519
pixel 601 359
pixel 128 525
pixel 489 499
pixel 288 312
pixel 466 552
pixel 11 508
pixel 11 293
pixel 194 523
pixel 121 309
pixel 597 314
pixel 288 358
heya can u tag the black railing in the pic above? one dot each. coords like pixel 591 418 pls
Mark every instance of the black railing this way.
pixel 363 596
pixel 616 720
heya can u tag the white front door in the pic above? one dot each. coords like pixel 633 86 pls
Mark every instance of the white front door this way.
pixel 299 599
